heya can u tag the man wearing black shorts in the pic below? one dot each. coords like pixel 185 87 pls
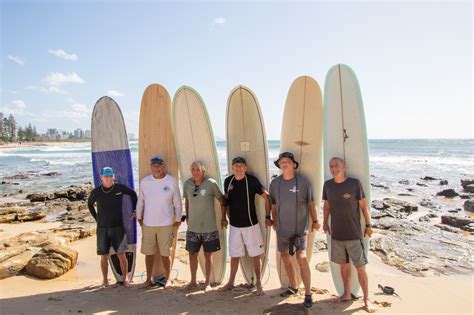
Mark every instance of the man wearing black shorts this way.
pixel 110 229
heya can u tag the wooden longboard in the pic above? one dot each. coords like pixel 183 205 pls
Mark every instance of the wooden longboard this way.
pixel 302 134
pixel 195 142
pixel 246 137
pixel 345 136
pixel 110 148
pixel 156 138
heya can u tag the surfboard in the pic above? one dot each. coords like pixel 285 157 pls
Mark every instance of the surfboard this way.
pixel 195 141
pixel 246 137
pixel 302 134
pixel 109 146
pixel 345 136
pixel 156 138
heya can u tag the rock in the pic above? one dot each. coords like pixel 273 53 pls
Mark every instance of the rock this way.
pixel 377 185
pixel 51 174
pixel 456 221
pixel 10 214
pixel 469 188
pixel 323 267
pixel 378 214
pixel 421 184
pixel 454 210
pixel 40 197
pixel 448 193
pixel 386 223
pixel 469 205
pixel 404 182
pixel 466 182
pixel 447 228
pixel 429 204
pixel 10 267
pixel 427 217
pixel 320 244
pixel 443 182
pixel 404 194
pixel 400 205
pixel 20 176
pixel 30 216
pixel 9 252
pixel 52 261
pixel 464 196
pixel 429 178
pixel 378 204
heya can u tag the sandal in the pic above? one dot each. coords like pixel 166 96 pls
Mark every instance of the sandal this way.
pixel 308 300
pixel 289 291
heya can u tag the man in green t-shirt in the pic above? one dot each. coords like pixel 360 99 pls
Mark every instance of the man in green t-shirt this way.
pixel 199 192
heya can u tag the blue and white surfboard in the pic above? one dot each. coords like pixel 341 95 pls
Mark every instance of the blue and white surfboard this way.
pixel 110 148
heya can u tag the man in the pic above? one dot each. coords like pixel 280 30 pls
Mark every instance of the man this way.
pixel 240 190
pixel 159 209
pixel 343 198
pixel 199 193
pixel 110 229
pixel 292 201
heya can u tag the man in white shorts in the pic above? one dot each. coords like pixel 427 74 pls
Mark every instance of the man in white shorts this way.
pixel 240 190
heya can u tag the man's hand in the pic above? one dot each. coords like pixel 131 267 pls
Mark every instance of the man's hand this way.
pixel 140 221
pixel 315 226
pixel 134 215
pixel 368 232
pixel 268 222
pixel 176 224
pixel 326 228
pixel 224 223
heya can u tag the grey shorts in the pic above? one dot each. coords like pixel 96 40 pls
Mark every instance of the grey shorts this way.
pixel 341 251
pixel 111 237
pixel 209 241
pixel 283 243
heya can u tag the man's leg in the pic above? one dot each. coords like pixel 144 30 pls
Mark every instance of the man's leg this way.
pixel 104 267
pixel 290 271
pixel 207 284
pixel 167 265
pixel 304 269
pixel 364 284
pixel 257 267
pixel 124 268
pixel 236 250
pixel 193 265
pixel 234 265
pixel 149 261
pixel 345 274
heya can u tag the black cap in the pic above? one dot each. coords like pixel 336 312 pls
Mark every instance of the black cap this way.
pixel 287 155
pixel 239 159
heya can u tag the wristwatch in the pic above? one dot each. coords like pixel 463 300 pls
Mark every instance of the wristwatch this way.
pixel 315 221
pixel 368 225
pixel 268 217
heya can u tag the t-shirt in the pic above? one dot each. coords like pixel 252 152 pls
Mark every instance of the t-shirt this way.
pixel 109 204
pixel 344 209
pixel 159 201
pixel 202 215
pixel 239 208
pixel 291 199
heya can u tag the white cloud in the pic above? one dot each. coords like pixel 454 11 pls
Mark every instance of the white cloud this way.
pixel 115 93
pixel 219 21
pixel 47 90
pixel 62 54
pixel 16 59
pixel 16 107
pixel 57 79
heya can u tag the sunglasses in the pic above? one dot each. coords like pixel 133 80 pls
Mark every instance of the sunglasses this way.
pixel 196 190
pixel 157 161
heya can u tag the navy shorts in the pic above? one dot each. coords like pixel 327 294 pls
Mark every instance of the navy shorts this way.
pixel 111 237
pixel 209 241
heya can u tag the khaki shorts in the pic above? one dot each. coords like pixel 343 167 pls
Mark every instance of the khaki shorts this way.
pixel 341 251
pixel 157 237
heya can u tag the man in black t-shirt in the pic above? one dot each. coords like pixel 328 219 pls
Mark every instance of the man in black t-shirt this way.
pixel 344 200
pixel 240 190
pixel 110 228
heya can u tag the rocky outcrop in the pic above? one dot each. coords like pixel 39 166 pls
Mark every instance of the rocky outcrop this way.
pixel 52 261
pixel 466 182
pixel 14 263
pixel 448 193
pixel 456 221
pixel 469 205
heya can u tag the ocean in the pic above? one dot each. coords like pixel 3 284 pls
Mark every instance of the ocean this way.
pixel 390 162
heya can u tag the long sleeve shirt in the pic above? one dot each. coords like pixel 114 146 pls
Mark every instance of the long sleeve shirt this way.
pixel 159 201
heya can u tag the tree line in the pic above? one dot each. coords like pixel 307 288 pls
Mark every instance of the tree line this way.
pixel 10 131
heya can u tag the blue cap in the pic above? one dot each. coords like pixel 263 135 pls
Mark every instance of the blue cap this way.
pixel 108 171
pixel 157 159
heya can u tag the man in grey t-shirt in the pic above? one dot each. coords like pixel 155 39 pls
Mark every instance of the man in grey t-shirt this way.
pixel 292 202
pixel 199 193
pixel 343 199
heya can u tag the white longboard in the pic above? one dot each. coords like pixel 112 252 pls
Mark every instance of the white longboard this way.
pixel 246 137
pixel 110 148
pixel 302 134
pixel 345 136
pixel 195 141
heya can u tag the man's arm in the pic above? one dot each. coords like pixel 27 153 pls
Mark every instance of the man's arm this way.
pixel 314 216
pixel 186 208
pixel 140 205
pixel 268 218
pixel 90 205
pixel 178 205
pixel 366 214
pixel 224 211
pixel 326 217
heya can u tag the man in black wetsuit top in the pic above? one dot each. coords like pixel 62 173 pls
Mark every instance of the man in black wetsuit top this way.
pixel 110 229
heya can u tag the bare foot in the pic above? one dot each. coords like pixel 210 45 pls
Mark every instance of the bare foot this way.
pixel 369 307
pixel 126 284
pixel 167 285
pixel 208 288
pixel 190 285
pixel 227 287
pixel 343 298
pixel 145 284
pixel 105 283
pixel 259 291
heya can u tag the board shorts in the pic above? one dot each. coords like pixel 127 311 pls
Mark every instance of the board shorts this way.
pixel 241 238
pixel 114 237
pixel 157 237
pixel 283 243
pixel 341 251
pixel 209 241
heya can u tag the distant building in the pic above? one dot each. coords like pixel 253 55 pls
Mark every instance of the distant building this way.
pixel 78 133
pixel 87 134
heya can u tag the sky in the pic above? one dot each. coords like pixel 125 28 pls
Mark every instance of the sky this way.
pixel 413 60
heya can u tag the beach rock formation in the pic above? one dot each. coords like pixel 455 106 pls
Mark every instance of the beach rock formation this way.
pixel 456 221
pixel 13 260
pixel 448 193
pixel 469 205
pixel 466 182
pixel 52 261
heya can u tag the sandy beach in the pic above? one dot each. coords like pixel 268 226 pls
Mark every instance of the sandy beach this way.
pixel 77 291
